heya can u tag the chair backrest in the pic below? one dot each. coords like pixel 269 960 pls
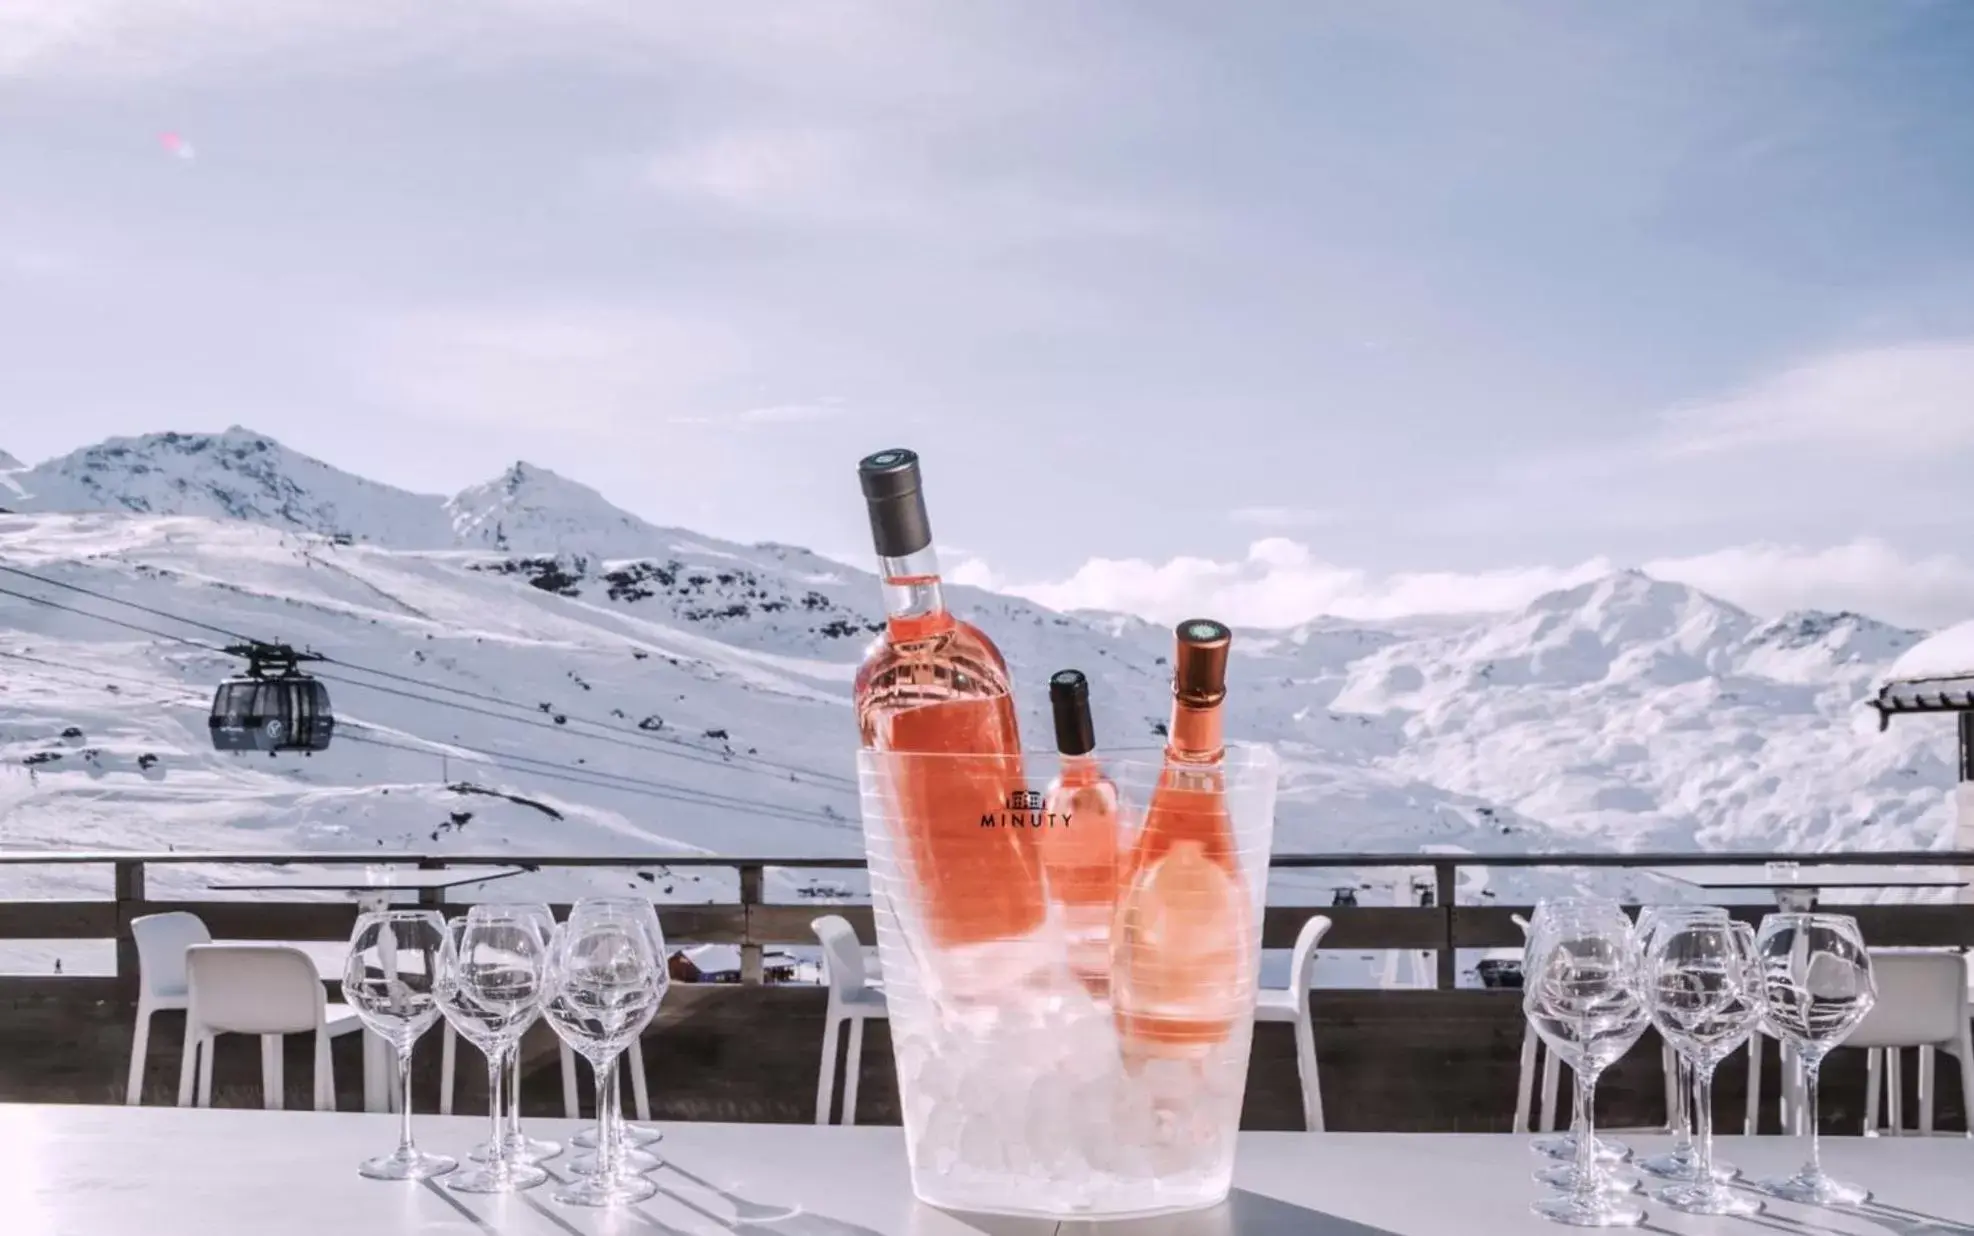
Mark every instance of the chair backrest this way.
pixel 1306 941
pixel 161 943
pixel 254 988
pixel 843 954
pixel 1922 1000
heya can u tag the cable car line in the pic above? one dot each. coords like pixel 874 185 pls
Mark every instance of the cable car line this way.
pixel 596 778
pixel 641 739
pixel 115 600
pixel 129 626
pixel 589 777
pixel 687 754
pixel 640 736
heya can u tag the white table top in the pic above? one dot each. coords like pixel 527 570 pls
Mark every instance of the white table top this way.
pixel 1813 876
pixel 355 880
pixel 117 1171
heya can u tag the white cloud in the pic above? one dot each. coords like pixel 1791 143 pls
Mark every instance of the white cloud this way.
pixel 826 409
pixel 1901 402
pixel 576 368
pixel 1280 583
pixel 1283 517
pixel 764 170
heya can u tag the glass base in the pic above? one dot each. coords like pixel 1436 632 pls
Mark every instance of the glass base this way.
pixel 406 1165
pixel 1563 1146
pixel 632 1161
pixel 523 1149
pixel 1563 1177
pixel 636 1134
pixel 1708 1199
pixel 511 1179
pixel 595 1191
pixel 1684 1165
pixel 1598 1211
pixel 1817 1190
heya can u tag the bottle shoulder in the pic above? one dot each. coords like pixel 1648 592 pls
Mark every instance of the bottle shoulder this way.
pixel 959 652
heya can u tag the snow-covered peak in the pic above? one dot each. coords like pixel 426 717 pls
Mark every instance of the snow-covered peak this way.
pixel 9 464
pixel 1623 624
pixel 530 510
pixel 238 474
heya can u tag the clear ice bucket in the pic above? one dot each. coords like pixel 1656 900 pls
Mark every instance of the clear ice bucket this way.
pixel 1029 1084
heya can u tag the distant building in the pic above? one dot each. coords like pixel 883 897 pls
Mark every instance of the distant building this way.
pixel 720 963
pixel 1936 675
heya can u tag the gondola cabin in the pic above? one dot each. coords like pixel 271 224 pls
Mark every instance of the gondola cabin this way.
pixel 273 707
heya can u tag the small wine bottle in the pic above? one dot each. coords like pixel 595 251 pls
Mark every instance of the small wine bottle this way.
pixel 1079 837
pixel 1181 965
pixel 933 685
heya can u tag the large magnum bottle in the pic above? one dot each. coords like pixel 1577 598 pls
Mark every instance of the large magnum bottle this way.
pixel 1079 838
pixel 1181 966
pixel 933 685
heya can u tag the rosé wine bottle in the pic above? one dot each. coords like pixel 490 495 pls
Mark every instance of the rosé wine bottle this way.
pixel 933 685
pixel 1079 836
pixel 1180 977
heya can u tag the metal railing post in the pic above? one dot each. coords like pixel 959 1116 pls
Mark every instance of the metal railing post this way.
pixel 1446 880
pixel 751 881
pixel 431 898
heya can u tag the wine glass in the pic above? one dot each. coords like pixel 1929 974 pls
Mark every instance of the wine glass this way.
pixel 1816 986
pixel 1582 995
pixel 634 1135
pixel 1563 1145
pixel 602 991
pixel 388 979
pixel 515 1145
pixel 1704 992
pixel 1681 1162
pixel 489 989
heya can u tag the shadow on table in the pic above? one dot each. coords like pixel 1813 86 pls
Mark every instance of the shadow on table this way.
pixel 1242 1214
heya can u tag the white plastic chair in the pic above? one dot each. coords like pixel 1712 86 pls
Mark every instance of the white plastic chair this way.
pixel 1292 1005
pixel 161 943
pixel 1922 1003
pixel 1419 963
pixel 270 990
pixel 852 999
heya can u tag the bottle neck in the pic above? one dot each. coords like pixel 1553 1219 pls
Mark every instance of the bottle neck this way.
pixel 913 600
pixel 1194 735
pixel 1080 770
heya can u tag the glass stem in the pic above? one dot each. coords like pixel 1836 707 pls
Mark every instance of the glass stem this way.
pixel 606 1120
pixel 1586 1135
pixel 405 1148
pixel 1812 1065
pixel 496 1145
pixel 1703 1125
pixel 514 1091
pixel 1682 1105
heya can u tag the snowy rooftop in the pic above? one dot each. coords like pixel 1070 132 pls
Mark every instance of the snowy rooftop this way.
pixel 1949 654
pixel 1934 675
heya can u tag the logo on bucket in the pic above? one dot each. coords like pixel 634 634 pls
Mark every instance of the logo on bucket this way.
pixel 1026 809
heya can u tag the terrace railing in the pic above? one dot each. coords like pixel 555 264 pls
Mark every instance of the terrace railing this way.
pixel 754 924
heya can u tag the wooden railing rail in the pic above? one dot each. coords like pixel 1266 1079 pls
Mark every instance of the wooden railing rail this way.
pixel 752 923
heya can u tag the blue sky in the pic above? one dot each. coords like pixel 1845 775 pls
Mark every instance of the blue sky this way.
pixel 1282 307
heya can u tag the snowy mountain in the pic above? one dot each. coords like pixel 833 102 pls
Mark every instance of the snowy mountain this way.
pixel 238 474
pixel 530 510
pixel 526 668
